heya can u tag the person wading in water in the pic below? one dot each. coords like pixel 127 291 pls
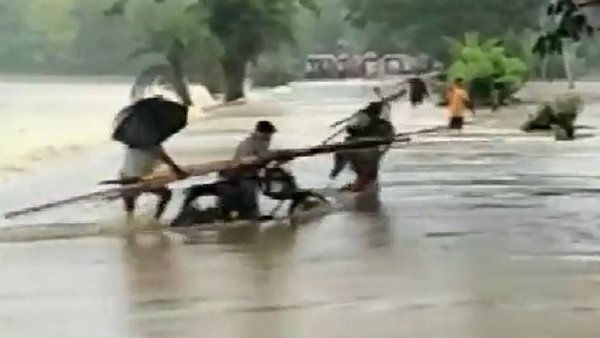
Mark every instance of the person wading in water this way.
pixel 417 90
pixel 458 99
pixel 141 162
pixel 364 163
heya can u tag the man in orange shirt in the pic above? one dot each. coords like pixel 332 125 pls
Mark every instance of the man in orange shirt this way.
pixel 458 98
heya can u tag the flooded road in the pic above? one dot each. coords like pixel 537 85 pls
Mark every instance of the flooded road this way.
pixel 490 234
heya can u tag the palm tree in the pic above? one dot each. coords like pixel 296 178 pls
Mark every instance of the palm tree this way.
pixel 568 21
pixel 169 75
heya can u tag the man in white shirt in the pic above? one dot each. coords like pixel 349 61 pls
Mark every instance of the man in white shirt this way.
pixel 141 162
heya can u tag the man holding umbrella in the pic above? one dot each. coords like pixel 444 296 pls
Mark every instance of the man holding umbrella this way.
pixel 143 127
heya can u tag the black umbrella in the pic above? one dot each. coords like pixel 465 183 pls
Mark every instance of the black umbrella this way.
pixel 149 122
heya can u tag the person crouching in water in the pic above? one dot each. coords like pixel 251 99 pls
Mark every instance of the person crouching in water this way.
pixel 139 163
pixel 364 163
pixel 458 99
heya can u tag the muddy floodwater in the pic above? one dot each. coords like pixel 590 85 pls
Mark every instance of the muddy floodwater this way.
pixel 491 233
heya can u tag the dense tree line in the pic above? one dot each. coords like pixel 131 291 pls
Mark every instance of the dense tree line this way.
pixel 220 37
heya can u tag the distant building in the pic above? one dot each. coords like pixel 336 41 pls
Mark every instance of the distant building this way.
pixel 369 65
pixel 396 64
pixel 319 66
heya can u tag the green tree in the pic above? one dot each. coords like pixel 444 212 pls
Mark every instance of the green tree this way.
pixel 244 30
pixel 330 32
pixel 62 36
pixel 565 26
pixel 423 23
pixel 18 40
pixel 169 31
pixel 487 68
pixel 566 22
pixel 101 44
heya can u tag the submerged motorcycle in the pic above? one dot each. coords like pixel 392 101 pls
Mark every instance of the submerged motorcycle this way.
pixel 275 182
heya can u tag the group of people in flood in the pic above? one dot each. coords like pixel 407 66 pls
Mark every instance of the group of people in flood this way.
pixel 237 189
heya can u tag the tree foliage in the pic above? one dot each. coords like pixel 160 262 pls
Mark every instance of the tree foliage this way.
pixel 567 23
pixel 103 36
pixel 486 67
pixel 243 29
pixel 423 23
pixel 125 36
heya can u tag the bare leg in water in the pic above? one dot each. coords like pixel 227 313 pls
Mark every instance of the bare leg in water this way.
pixel 129 204
pixel 164 197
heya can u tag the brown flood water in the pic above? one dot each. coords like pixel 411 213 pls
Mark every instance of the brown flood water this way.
pixel 492 234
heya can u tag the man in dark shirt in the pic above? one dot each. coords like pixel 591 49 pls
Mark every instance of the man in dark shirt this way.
pixel 364 163
pixel 417 90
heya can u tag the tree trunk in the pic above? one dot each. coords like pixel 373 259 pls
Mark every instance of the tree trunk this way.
pixel 566 55
pixel 545 68
pixel 234 70
pixel 179 84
